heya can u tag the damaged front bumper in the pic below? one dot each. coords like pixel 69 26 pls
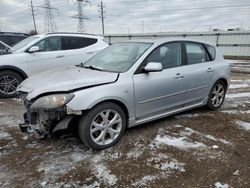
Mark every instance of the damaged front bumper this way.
pixel 45 122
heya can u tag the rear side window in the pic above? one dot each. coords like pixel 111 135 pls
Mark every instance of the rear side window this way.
pixel 211 50
pixel 195 53
pixel 69 43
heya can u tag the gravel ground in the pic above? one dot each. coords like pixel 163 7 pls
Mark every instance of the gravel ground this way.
pixel 198 148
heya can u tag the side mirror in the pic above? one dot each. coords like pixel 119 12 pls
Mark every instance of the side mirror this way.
pixel 153 67
pixel 34 49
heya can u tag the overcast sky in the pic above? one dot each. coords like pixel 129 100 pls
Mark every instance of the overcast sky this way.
pixel 123 16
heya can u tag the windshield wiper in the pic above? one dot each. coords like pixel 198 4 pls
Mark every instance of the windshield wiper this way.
pixel 89 67
pixel 92 68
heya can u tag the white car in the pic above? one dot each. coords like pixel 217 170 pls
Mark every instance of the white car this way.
pixel 45 52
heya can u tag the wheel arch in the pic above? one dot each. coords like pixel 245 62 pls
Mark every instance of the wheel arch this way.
pixel 14 69
pixel 224 80
pixel 119 103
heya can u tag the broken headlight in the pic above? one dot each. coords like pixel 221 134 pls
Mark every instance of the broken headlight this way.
pixel 52 101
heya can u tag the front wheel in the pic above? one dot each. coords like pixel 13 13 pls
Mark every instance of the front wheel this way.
pixel 103 126
pixel 9 82
pixel 216 96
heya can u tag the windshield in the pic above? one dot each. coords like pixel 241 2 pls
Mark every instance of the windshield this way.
pixel 24 42
pixel 118 57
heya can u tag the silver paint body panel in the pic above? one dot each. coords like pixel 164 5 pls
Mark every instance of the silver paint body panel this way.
pixel 147 96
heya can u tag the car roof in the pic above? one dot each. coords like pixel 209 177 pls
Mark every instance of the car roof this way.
pixel 13 34
pixel 74 35
pixel 158 41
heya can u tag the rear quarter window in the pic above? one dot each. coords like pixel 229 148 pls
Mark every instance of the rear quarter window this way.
pixel 211 50
pixel 70 43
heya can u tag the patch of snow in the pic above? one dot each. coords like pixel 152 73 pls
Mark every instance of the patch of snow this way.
pixel 219 185
pixel 43 183
pixel 215 146
pixel 144 180
pixel 77 156
pixel 237 86
pixel 102 172
pixel 181 142
pixel 182 139
pixel 136 151
pixel 5 136
pixel 243 125
pixel 173 165
pixel 165 162
pixel 237 95
pixel 236 173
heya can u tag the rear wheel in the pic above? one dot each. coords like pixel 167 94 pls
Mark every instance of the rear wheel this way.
pixel 103 126
pixel 217 95
pixel 9 82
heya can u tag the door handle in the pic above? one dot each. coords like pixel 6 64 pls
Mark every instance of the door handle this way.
pixel 59 56
pixel 178 76
pixel 210 69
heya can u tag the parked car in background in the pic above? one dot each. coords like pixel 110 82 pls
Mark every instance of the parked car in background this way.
pixel 40 53
pixel 12 38
pixel 125 85
pixel 4 48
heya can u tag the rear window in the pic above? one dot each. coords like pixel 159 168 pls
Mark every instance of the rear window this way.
pixel 211 50
pixel 69 43
pixel 195 53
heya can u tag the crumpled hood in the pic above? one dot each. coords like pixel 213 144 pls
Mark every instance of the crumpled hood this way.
pixel 64 79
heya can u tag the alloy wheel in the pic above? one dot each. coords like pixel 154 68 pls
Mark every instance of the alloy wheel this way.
pixel 106 127
pixel 218 95
pixel 8 84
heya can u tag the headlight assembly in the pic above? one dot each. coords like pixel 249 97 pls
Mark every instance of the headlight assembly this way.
pixel 52 101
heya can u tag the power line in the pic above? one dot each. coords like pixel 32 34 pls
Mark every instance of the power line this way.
pixel 49 20
pixel 102 15
pixel 198 8
pixel 80 16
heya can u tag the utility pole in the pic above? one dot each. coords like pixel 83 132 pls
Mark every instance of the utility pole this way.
pixel 102 15
pixel 33 15
pixel 49 21
pixel 142 26
pixel 80 16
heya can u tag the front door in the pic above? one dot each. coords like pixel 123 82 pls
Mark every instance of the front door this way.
pixel 159 92
pixel 49 57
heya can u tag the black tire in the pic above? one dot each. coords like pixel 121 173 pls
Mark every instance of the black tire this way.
pixel 9 74
pixel 210 104
pixel 86 120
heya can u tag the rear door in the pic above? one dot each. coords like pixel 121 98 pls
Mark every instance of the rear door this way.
pixel 198 71
pixel 159 92
pixel 49 57
pixel 78 49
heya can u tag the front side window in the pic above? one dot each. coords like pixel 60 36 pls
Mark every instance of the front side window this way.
pixel 69 43
pixel 49 44
pixel 25 42
pixel 118 57
pixel 195 53
pixel 168 54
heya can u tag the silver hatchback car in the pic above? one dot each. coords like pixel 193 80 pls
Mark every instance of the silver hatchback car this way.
pixel 124 85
